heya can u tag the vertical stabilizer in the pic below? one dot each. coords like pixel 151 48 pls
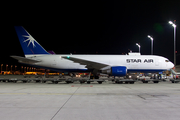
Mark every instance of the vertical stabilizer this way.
pixel 29 45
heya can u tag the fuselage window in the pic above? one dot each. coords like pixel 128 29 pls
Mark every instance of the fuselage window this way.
pixel 166 60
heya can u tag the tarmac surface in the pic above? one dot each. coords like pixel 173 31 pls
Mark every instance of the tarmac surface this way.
pixel 106 101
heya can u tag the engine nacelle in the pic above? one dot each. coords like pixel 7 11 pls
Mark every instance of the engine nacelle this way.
pixel 116 71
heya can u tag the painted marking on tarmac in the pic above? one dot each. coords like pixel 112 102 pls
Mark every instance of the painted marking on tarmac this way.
pixel 90 94
pixel 13 93
pixel 48 93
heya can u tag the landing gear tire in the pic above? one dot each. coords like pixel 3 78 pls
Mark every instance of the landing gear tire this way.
pixel 55 82
pixel 145 81
pixel 100 82
pixel 82 82
pixel 94 77
pixel 88 82
pixel 132 82
pixel 156 81
pixel 126 82
pixel 69 82
pixel 120 82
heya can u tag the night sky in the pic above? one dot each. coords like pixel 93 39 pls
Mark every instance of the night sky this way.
pixel 93 27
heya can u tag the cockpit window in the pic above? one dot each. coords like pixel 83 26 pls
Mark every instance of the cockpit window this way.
pixel 166 60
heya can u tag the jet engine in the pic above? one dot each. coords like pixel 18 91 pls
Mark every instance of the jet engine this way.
pixel 116 71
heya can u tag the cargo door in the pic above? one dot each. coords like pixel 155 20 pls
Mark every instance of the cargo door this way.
pixel 53 62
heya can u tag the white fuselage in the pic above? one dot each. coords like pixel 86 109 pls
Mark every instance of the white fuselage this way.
pixel 133 63
pixel 119 65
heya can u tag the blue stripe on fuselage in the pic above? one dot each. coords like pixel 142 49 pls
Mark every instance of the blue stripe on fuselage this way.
pixel 86 70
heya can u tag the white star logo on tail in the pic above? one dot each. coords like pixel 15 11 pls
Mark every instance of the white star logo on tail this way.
pixel 30 39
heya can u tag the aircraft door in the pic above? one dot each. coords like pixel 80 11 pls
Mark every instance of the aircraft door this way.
pixel 54 63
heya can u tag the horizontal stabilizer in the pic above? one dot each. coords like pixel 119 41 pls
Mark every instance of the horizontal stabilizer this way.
pixel 25 60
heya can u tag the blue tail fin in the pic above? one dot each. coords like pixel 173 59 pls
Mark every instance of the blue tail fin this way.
pixel 29 45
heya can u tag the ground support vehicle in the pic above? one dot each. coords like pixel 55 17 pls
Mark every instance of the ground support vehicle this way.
pixel 149 80
pixel 175 80
pixel 126 81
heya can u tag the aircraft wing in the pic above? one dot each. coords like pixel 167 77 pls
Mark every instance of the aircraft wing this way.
pixel 25 60
pixel 89 64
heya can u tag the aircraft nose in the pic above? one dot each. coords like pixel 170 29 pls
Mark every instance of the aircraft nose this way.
pixel 171 65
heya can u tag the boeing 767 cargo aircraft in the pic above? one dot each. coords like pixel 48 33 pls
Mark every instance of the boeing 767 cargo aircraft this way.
pixel 114 65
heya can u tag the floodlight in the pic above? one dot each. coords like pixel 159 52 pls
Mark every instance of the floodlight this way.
pixel 170 22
